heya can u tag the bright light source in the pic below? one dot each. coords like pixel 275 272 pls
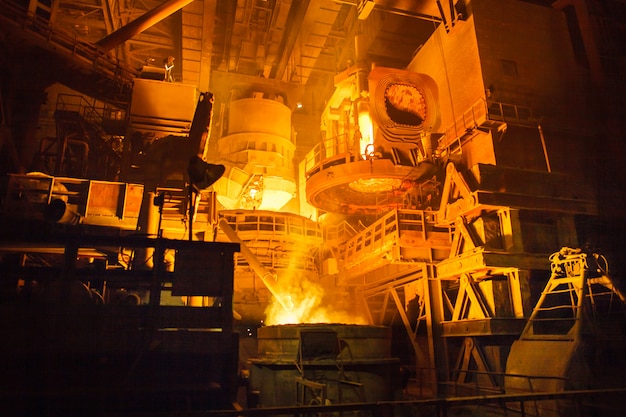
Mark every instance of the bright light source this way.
pixel 299 105
pixel 366 128
pixel 364 8
pixel 375 185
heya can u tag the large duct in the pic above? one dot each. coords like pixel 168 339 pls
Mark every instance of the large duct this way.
pixel 142 23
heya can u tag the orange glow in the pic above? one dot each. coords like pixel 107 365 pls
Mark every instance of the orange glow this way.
pixel 366 128
pixel 309 305
pixel 375 185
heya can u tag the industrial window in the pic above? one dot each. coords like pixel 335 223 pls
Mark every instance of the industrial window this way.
pixel 509 68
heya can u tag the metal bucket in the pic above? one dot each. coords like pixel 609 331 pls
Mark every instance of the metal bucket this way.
pixel 314 364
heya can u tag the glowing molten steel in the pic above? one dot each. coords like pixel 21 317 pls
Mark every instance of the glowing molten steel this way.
pixel 309 305
pixel 295 298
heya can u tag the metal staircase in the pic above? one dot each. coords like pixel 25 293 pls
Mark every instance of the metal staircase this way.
pixel 83 146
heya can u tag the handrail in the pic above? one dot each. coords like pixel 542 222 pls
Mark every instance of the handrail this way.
pixel 331 149
pixel 471 118
pixel 339 233
pixel 95 113
pixel 482 111
pixel 78 104
pixel 510 113
pixel 384 232
pixel 278 240
pixel 378 237
pixel 441 405
pixel 280 225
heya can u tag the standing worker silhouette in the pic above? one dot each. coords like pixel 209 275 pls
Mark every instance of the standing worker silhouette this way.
pixel 168 63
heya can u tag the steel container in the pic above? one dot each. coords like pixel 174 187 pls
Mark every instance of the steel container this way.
pixel 314 364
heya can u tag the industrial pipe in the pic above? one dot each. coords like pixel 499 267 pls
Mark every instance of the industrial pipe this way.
pixel 142 23
pixel 265 275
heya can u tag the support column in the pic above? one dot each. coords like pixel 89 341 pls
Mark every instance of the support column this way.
pixel 436 344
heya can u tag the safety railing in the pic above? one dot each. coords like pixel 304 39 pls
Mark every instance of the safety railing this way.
pixel 377 240
pixel 100 126
pixel 278 240
pixel 471 383
pixel 528 400
pixel 468 382
pixel 502 404
pixel 335 150
pixel 256 224
pixel 276 259
pixel 510 113
pixel 94 112
pixel 334 234
pixel 481 112
pixel 381 240
pixel 472 117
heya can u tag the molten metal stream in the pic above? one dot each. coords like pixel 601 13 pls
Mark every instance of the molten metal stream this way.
pixel 266 276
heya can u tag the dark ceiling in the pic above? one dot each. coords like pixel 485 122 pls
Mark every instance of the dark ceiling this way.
pixel 288 40
pixel 296 41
